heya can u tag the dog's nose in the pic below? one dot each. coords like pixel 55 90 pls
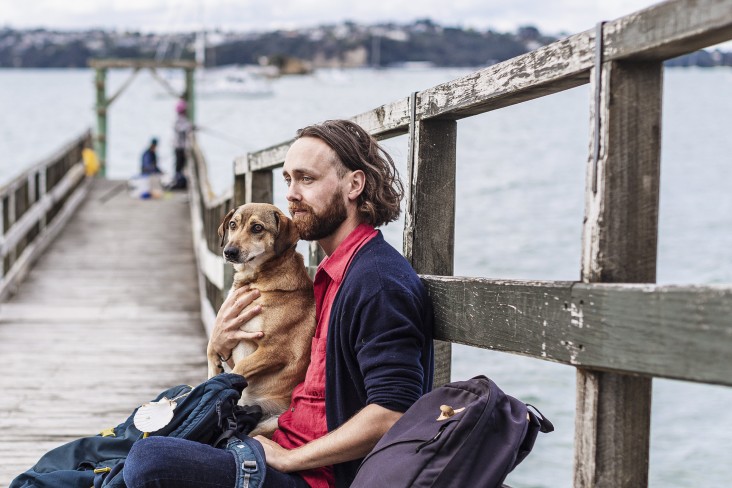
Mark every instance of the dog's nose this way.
pixel 231 253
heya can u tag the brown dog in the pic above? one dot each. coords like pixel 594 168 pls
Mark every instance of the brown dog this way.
pixel 261 246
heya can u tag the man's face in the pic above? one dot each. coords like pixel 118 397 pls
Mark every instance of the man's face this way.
pixel 316 194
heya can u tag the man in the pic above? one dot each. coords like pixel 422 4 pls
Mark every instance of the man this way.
pixel 150 159
pixel 182 129
pixel 372 352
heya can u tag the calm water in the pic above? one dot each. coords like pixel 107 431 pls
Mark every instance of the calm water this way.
pixel 519 211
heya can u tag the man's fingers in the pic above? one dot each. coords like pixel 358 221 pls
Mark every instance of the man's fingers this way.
pixel 244 300
pixel 249 336
pixel 245 316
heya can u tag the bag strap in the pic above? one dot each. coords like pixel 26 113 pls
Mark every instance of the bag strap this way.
pixel 544 423
pixel 235 420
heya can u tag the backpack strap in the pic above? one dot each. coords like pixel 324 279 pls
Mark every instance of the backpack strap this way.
pixel 544 423
pixel 235 421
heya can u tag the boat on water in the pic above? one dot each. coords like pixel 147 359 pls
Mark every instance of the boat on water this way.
pixel 226 81
pixel 231 81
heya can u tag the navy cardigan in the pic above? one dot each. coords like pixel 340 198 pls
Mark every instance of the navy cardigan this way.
pixel 379 347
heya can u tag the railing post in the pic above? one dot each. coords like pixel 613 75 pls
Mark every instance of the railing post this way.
pixel 429 225
pixel 101 139
pixel 2 233
pixel 190 94
pixel 620 235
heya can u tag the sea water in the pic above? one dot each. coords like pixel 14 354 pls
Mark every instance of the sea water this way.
pixel 520 197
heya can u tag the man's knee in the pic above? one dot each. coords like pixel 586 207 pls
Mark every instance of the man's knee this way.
pixel 145 461
pixel 172 462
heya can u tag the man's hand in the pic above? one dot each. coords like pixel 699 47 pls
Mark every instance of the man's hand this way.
pixel 234 312
pixel 277 456
pixel 352 440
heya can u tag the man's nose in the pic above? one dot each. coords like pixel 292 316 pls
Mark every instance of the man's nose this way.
pixel 292 194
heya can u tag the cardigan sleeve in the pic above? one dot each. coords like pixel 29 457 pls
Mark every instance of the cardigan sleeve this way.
pixel 389 343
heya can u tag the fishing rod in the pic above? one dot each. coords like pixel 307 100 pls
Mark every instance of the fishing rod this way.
pixel 222 136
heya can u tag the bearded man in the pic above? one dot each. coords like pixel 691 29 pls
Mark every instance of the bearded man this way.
pixel 371 356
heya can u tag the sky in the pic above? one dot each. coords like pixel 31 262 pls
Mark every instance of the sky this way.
pixel 550 16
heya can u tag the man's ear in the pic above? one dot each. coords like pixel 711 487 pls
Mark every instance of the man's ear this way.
pixel 225 225
pixel 357 184
pixel 287 234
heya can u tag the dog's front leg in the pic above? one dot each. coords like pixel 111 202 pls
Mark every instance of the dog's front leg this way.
pixel 214 363
pixel 256 363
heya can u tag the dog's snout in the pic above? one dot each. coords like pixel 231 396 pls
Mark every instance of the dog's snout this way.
pixel 231 253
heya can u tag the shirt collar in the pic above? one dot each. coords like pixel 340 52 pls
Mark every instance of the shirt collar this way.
pixel 337 263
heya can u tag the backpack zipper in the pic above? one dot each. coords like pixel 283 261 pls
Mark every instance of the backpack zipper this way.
pixel 433 440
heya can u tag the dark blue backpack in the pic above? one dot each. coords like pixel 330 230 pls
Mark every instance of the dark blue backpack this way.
pixel 207 413
pixel 467 433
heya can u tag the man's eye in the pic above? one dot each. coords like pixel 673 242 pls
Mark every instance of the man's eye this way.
pixel 232 225
pixel 307 179
pixel 288 181
pixel 257 228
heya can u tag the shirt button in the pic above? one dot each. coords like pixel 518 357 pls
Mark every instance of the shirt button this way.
pixel 293 409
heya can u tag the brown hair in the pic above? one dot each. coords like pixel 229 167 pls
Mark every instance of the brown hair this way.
pixel 356 149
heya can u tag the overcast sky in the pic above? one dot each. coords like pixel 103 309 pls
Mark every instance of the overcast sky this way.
pixel 550 16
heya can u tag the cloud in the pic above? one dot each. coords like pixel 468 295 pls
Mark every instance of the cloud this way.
pixel 176 15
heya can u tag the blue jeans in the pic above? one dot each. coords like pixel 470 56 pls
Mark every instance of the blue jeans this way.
pixel 170 462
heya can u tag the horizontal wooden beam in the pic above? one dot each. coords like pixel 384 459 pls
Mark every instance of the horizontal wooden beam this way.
pixel 33 251
pixel 681 332
pixel 140 63
pixel 22 178
pixel 38 210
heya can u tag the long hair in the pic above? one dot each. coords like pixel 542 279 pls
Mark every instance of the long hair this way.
pixel 356 149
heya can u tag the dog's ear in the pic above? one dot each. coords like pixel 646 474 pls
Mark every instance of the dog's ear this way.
pixel 225 225
pixel 287 235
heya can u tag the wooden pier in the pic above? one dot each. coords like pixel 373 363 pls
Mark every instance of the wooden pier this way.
pixel 106 319
pixel 78 350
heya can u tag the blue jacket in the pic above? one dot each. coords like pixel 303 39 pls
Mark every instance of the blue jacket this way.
pixel 379 347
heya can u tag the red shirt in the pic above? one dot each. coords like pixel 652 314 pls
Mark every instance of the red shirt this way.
pixel 305 420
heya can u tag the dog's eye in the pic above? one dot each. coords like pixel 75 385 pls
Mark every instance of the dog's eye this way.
pixel 257 228
pixel 232 225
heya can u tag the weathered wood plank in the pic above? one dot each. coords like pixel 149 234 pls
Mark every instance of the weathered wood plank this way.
pixel 601 326
pixel 619 245
pixel 668 29
pixel 79 351
pixel 429 224
pixel 140 63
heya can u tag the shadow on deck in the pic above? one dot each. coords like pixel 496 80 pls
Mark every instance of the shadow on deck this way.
pixel 107 318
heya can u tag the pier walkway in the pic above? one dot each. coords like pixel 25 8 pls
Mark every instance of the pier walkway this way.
pixel 106 319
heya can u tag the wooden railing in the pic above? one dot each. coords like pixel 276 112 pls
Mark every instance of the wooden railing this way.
pixel 35 206
pixel 207 212
pixel 615 326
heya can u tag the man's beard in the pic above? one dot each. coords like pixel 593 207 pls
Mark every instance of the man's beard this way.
pixel 313 227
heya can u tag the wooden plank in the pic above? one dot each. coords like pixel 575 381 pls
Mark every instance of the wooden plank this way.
pixel 384 122
pixel 33 215
pixel 429 224
pixel 620 245
pixel 259 187
pixel 665 331
pixel 79 141
pixel 268 158
pixel 140 63
pixel 20 266
pixel 668 29
pixel 211 268
pixel 103 343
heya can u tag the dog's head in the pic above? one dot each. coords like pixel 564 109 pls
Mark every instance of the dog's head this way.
pixel 255 233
